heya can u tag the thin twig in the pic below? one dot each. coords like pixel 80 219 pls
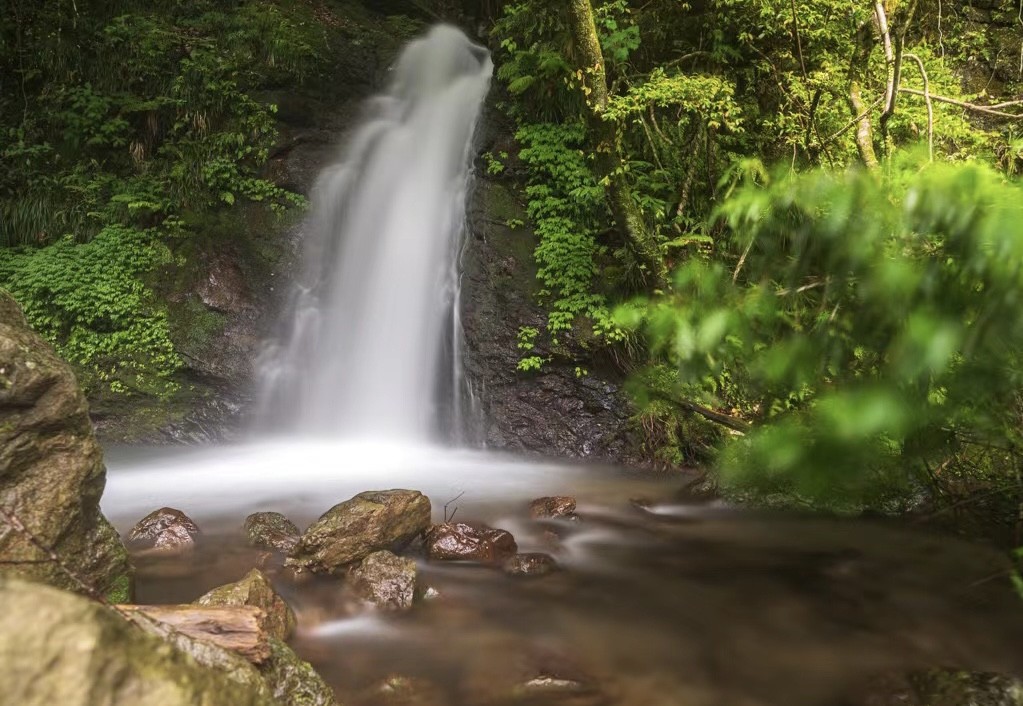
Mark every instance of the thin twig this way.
pixel 963 104
pixel 930 105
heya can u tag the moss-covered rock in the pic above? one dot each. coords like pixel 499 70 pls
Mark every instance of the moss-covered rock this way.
pixel 256 590
pixel 59 648
pixel 292 680
pixel 51 471
pixel 354 529
pixel 271 530
pixel 383 581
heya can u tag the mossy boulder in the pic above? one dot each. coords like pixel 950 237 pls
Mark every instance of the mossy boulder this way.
pixel 354 529
pixel 256 590
pixel 51 471
pixel 59 648
pixel 271 530
pixel 383 581
pixel 292 680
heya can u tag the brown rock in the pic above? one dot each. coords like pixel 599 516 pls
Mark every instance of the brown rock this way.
pixel 271 530
pixel 561 506
pixel 51 471
pixel 530 564
pixel 460 541
pixel 256 590
pixel 383 581
pixel 354 529
pixel 399 690
pixel 166 529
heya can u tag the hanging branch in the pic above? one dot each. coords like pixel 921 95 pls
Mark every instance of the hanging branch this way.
pixel 986 110
pixel 930 105
pixel 895 78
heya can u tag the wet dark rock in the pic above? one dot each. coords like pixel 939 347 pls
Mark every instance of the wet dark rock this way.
pixel 561 506
pixel 400 690
pixel 51 470
pixel 383 581
pixel 530 564
pixel 460 541
pixel 354 529
pixel 271 530
pixel 945 687
pixel 553 412
pixel 165 529
pixel 256 590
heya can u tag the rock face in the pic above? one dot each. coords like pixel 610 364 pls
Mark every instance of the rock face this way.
pixel 165 529
pixel 555 411
pixel 552 508
pixel 383 581
pixel 459 541
pixel 58 648
pixel 256 590
pixel 354 529
pixel 531 564
pixel 271 530
pixel 51 470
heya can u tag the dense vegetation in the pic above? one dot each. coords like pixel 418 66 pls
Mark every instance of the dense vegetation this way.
pixel 795 224
pixel 841 329
pixel 126 130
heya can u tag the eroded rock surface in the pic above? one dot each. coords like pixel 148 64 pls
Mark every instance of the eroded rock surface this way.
pixel 51 470
pixel 383 581
pixel 271 530
pixel 256 590
pixel 59 648
pixel 946 687
pixel 460 541
pixel 165 529
pixel 352 530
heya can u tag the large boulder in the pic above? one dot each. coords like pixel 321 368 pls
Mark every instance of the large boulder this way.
pixel 354 529
pixel 59 648
pixel 51 472
pixel 256 590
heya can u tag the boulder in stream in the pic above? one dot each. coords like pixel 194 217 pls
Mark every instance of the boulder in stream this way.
pixel 461 541
pixel 530 564
pixel 256 590
pixel 354 529
pixel 397 690
pixel 946 687
pixel 51 472
pixel 165 529
pixel 561 506
pixel 271 530
pixel 383 581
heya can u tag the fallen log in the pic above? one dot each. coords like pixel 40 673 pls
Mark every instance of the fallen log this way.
pixel 238 629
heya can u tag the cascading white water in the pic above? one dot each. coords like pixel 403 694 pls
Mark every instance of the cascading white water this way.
pixel 362 350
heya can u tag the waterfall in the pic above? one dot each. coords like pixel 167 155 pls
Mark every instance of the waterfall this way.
pixel 370 342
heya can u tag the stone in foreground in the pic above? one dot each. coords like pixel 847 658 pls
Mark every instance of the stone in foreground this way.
pixel 460 541
pixel 383 581
pixel 51 471
pixel 271 530
pixel 59 648
pixel 256 590
pixel 945 687
pixel 530 564
pixel 354 529
pixel 550 508
pixel 165 529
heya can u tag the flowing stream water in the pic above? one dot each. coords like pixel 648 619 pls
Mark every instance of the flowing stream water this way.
pixel 668 601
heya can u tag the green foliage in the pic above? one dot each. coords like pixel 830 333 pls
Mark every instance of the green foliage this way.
pixel 873 327
pixel 92 302
pixel 112 150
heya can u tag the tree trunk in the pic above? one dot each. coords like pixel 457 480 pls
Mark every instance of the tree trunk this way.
pixel 238 629
pixel 604 136
pixel 861 110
